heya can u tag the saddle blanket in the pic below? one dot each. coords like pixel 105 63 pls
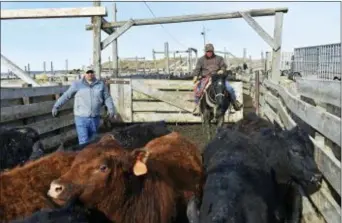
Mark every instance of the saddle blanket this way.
pixel 203 84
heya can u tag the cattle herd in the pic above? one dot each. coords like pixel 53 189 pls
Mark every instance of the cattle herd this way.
pixel 144 173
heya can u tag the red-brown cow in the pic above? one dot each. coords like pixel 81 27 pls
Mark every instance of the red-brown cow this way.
pixel 144 185
pixel 23 189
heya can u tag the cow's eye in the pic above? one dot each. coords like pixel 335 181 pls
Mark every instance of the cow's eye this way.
pixel 103 168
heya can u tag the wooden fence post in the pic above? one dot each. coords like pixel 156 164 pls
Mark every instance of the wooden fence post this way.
pixel 96 20
pixel 257 92
pixel 26 100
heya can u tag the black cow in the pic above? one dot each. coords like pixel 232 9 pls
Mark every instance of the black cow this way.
pixel 17 145
pixel 297 168
pixel 290 153
pixel 243 174
pixel 72 212
pixel 239 184
pixel 131 137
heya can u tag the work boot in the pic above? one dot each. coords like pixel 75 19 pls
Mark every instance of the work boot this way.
pixel 196 111
pixel 237 105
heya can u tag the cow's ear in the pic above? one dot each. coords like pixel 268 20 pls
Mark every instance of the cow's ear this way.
pixel 139 168
pixel 140 157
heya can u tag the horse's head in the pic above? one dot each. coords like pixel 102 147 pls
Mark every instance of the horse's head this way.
pixel 219 89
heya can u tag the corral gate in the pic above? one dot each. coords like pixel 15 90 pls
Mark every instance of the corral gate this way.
pixel 145 100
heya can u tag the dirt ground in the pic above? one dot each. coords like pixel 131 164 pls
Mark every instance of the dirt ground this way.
pixel 194 131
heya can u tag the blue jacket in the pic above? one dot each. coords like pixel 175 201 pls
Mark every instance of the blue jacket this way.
pixel 88 98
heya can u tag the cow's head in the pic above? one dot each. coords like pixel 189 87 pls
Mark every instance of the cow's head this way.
pixel 100 171
pixel 297 159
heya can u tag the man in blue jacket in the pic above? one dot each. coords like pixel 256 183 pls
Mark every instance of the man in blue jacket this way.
pixel 90 94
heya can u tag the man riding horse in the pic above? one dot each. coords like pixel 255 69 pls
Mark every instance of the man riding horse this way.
pixel 206 66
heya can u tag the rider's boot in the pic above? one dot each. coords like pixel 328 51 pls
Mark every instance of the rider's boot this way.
pixel 196 110
pixel 237 105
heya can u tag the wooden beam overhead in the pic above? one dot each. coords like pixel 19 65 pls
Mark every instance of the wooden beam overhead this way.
pixel 257 28
pixel 52 13
pixel 18 71
pixel 116 34
pixel 194 18
pixel 107 30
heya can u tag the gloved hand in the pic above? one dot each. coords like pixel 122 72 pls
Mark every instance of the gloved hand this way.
pixel 220 72
pixel 54 112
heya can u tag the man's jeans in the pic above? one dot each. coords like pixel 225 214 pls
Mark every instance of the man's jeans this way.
pixel 86 128
pixel 229 88
pixel 231 91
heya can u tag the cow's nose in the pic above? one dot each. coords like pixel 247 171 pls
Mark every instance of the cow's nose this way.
pixel 55 189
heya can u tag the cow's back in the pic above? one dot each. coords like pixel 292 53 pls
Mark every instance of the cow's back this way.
pixel 23 189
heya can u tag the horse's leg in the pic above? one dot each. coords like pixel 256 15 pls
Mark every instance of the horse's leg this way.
pixel 220 121
pixel 207 123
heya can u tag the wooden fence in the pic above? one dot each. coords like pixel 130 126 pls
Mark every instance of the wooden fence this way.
pixel 135 100
pixel 142 100
pixel 31 106
pixel 314 105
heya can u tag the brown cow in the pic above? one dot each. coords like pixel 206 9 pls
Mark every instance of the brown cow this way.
pixel 144 185
pixel 23 189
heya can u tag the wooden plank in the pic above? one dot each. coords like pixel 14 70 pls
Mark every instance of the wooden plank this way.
pixel 259 30
pixel 25 111
pixel 116 34
pixel 198 17
pixel 327 124
pixel 96 21
pixel 179 102
pixel 186 95
pixel 176 117
pixel 13 93
pixel 276 54
pixel 53 141
pixel 281 111
pixel 328 165
pixel 271 115
pixel 52 124
pixel 285 117
pixel 107 30
pixel 122 97
pixel 139 106
pixel 326 204
pixel 324 91
pixel 167 84
pixel 18 71
pixel 309 213
pixel 52 13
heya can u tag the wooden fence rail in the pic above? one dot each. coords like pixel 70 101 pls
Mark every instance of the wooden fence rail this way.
pixel 31 106
pixel 143 100
pixel 285 104
pixel 135 100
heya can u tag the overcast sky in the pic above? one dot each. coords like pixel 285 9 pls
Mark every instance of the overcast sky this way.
pixel 35 41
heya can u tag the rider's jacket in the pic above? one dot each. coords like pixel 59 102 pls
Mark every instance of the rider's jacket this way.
pixel 207 66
